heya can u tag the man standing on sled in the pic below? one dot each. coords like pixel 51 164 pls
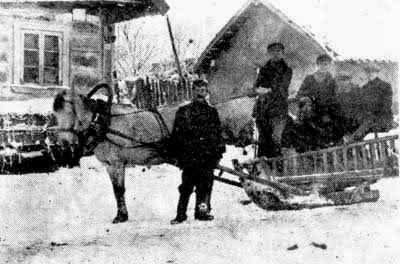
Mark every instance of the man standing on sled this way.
pixel 320 115
pixel 271 108
pixel 196 142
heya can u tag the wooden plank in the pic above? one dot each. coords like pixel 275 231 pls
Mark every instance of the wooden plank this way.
pixel 355 157
pixel 335 161
pixel 285 165
pixel 373 153
pixel 382 150
pixel 366 155
pixel 163 91
pixel 325 161
pixel 323 177
pixel 154 93
pixel 169 93
pixel 273 167
pixel 329 150
pixel 345 161
pixel 314 163
pixel 159 93
pixel 174 93
pixel 189 90
pixel 392 145
pixel 189 84
pixel 295 166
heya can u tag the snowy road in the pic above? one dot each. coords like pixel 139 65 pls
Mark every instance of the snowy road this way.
pixel 65 217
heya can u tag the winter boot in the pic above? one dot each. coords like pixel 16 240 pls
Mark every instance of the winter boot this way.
pixel 202 213
pixel 181 210
pixel 178 219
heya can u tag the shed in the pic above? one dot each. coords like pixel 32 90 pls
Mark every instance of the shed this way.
pixel 45 44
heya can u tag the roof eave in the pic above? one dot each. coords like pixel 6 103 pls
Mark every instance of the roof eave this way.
pixel 117 11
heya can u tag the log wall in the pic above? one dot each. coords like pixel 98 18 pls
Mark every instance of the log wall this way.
pixel 82 51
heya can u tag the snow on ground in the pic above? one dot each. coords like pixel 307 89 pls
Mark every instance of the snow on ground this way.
pixel 65 217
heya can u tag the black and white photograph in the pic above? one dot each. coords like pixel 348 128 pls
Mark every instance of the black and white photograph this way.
pixel 192 132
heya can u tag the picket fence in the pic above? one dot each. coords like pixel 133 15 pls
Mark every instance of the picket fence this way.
pixel 151 94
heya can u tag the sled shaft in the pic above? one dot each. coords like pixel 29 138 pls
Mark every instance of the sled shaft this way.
pixel 282 186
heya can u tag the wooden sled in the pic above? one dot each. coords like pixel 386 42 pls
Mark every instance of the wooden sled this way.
pixel 334 176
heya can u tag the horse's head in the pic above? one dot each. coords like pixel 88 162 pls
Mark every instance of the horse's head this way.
pixel 72 116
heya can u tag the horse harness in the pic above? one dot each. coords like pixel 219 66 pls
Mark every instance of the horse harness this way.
pixel 99 127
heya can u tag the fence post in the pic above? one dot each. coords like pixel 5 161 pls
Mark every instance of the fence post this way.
pixel 163 91
pixel 139 83
pixel 156 88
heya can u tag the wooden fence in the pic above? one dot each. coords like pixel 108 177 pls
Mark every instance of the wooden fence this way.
pixel 151 94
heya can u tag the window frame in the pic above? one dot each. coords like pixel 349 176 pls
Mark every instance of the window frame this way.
pixel 42 34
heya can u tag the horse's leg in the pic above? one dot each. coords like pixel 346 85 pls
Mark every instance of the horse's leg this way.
pixel 117 176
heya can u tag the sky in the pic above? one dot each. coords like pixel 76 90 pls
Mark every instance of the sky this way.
pixel 353 28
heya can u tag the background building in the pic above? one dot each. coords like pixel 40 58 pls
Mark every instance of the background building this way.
pixel 44 45
pixel 231 60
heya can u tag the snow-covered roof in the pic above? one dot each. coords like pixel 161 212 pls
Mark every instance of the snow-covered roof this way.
pixel 117 10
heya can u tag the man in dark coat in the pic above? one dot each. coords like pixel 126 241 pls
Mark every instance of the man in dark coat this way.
pixel 271 108
pixel 375 113
pixel 320 116
pixel 198 146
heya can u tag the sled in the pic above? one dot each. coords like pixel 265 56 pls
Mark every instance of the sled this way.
pixel 339 175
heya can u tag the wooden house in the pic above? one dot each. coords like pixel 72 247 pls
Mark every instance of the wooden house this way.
pixel 231 60
pixel 45 44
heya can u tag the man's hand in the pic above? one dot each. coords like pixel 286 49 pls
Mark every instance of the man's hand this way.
pixel 263 90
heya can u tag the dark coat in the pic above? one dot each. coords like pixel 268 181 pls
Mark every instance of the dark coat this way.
pixel 325 103
pixel 277 76
pixel 322 94
pixel 377 101
pixel 196 136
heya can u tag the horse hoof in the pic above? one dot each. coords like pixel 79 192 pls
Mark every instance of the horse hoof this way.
pixel 120 218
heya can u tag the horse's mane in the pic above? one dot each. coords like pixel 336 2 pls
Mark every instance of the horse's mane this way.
pixel 59 101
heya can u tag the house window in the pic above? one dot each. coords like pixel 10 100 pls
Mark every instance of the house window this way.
pixel 41 58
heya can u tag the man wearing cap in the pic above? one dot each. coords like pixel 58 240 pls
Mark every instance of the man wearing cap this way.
pixel 271 108
pixel 319 111
pixel 197 144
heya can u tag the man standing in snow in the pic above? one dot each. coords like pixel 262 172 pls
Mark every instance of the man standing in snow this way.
pixel 271 108
pixel 196 142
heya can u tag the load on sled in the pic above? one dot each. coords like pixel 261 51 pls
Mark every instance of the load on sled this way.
pixel 325 170
pixel 334 176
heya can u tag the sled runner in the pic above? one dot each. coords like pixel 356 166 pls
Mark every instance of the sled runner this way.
pixel 334 176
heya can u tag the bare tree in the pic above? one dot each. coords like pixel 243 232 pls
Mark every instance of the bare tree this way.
pixel 134 50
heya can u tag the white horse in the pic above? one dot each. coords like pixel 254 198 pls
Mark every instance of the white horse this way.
pixel 132 136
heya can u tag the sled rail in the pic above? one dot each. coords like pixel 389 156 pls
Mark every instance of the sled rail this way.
pixel 340 175
pixel 356 158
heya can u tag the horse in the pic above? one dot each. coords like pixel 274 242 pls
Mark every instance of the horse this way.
pixel 128 136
